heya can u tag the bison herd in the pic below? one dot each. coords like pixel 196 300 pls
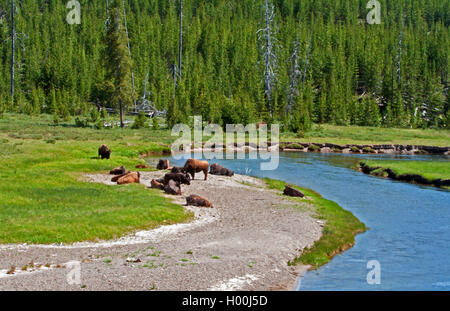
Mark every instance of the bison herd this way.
pixel 171 182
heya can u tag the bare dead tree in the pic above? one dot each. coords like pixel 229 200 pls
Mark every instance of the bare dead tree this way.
pixel 268 42
pixel 294 75
pixel 107 14
pixel 129 51
pixel 13 47
pixel 180 49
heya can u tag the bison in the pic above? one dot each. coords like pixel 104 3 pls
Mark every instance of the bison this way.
pixel 116 178
pixel 177 169
pixel 131 178
pixel 163 164
pixel 178 177
pixel 118 171
pixel 173 188
pixel 157 185
pixel 196 200
pixel 193 166
pixel 216 169
pixel 104 152
pixel 289 191
pixel 141 166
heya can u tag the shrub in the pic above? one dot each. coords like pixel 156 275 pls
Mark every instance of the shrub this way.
pixel 313 147
pixel 140 121
pixel 355 149
pixel 95 115
pixel 294 146
pixel 155 123
pixel 99 124
pixel 79 122
pixel 368 150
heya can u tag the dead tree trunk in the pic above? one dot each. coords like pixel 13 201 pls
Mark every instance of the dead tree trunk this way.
pixel 13 48
pixel 129 51
pixel 268 43
pixel 180 50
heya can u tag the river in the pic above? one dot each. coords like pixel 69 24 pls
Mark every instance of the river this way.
pixel 409 225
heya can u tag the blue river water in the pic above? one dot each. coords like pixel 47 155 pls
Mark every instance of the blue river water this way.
pixel 409 225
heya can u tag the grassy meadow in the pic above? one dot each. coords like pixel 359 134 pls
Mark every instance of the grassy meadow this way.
pixel 359 135
pixel 44 199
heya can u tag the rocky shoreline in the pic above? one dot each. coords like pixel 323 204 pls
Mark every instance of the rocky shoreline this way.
pixel 335 148
pixel 410 178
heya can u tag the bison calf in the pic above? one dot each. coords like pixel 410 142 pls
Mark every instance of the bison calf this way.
pixel 196 200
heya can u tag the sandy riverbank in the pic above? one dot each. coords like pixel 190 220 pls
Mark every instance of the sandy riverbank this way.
pixel 243 243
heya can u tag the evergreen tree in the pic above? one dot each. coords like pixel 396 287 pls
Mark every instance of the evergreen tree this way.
pixel 118 60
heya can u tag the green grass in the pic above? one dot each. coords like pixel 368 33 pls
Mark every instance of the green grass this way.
pixel 429 170
pixel 358 135
pixel 339 231
pixel 43 195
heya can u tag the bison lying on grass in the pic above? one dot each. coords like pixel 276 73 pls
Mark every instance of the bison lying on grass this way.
pixel 130 178
pixel 127 178
pixel 289 191
pixel 216 169
pixel 193 166
pixel 104 152
pixel 196 200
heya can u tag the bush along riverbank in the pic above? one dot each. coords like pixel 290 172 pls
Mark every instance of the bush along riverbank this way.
pixel 339 231
pixel 419 172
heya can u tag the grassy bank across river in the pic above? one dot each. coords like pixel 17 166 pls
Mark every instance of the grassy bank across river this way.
pixel 435 173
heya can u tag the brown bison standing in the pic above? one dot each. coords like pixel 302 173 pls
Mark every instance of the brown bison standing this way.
pixel 193 166
pixel 104 152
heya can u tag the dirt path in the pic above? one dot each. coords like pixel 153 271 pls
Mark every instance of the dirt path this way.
pixel 243 243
